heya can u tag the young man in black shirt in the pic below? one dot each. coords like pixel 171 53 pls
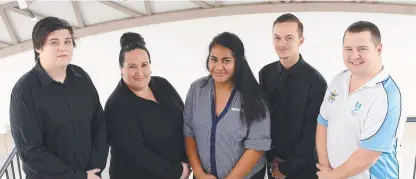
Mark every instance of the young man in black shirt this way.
pixel 295 91
pixel 55 114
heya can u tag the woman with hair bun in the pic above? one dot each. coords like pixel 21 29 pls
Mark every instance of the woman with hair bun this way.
pixel 145 122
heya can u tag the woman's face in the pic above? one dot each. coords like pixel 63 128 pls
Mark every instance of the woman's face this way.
pixel 136 70
pixel 221 64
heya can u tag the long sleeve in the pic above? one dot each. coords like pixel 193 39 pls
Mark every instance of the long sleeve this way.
pixel 175 93
pixel 126 138
pixel 28 138
pixel 272 153
pixel 99 136
pixel 188 114
pixel 263 80
pixel 307 141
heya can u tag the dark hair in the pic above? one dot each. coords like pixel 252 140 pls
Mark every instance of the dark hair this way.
pixel 288 17
pixel 361 26
pixel 44 27
pixel 131 41
pixel 253 103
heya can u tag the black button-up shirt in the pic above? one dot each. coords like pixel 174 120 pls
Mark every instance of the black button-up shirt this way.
pixel 146 137
pixel 59 128
pixel 295 96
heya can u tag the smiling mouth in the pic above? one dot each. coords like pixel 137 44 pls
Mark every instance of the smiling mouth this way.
pixel 356 63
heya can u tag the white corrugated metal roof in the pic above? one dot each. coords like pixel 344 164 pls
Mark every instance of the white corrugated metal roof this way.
pixel 94 17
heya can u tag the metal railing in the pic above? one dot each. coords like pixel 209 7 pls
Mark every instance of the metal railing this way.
pixel 10 166
pixel 14 155
pixel 414 170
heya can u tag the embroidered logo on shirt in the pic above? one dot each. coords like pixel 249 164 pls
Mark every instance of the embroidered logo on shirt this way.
pixel 356 108
pixel 332 95
pixel 236 109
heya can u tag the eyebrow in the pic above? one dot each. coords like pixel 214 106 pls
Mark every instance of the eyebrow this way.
pixel 358 46
pixel 58 39
pixel 286 35
pixel 221 58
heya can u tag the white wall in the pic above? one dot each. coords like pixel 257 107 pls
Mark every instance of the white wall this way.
pixel 179 50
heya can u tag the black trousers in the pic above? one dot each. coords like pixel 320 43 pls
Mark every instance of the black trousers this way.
pixel 308 171
pixel 258 175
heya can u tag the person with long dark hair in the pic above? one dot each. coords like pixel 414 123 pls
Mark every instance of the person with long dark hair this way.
pixel 145 122
pixel 226 121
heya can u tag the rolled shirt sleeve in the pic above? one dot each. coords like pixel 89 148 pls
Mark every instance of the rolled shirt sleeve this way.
pixel 258 137
pixel 188 113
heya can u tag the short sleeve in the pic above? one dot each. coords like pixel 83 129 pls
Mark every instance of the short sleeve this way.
pixel 323 114
pixel 188 113
pixel 258 137
pixel 379 129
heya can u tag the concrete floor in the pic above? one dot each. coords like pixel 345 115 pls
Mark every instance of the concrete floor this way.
pixel 408 151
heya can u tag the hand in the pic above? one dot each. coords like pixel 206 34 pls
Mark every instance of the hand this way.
pixel 276 172
pixel 206 176
pixel 186 171
pixel 324 172
pixel 91 174
pixel 231 177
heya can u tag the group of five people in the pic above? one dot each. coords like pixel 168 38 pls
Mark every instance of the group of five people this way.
pixel 290 124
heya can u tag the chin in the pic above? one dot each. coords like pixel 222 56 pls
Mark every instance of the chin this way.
pixel 136 87
pixel 221 80
pixel 63 62
pixel 283 55
pixel 356 71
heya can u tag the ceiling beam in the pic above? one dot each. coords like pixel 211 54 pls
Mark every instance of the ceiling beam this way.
pixel 306 6
pixel 121 8
pixel 147 7
pixel 9 27
pixel 24 12
pixel 202 4
pixel 77 12
pixel 217 3
pixel 4 43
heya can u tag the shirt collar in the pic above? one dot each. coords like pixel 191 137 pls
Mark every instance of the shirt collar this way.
pixel 298 65
pixel 45 79
pixel 380 77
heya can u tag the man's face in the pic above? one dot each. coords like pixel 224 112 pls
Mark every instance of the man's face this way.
pixel 57 50
pixel 286 39
pixel 361 55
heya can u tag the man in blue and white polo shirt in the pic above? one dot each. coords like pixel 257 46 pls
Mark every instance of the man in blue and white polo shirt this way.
pixel 361 119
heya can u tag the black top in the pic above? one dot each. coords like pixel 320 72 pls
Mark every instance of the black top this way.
pixel 146 137
pixel 59 129
pixel 295 96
